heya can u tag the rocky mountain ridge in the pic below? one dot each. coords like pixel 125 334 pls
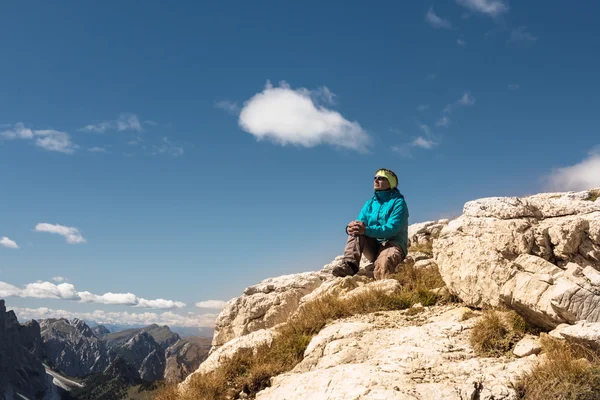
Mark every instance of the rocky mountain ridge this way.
pixel 538 255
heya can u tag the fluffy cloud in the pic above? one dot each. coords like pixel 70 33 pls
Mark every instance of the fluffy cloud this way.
pixel 47 139
pixel 120 318
pixel 66 291
pixel 124 122
pixel 72 235
pixel 58 279
pixel 288 116
pixel 6 242
pixel 167 147
pixel 492 8
pixel 581 176
pixel 435 21
pixel 214 304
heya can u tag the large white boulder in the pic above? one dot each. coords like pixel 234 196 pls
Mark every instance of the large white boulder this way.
pixel 539 255
pixel 265 305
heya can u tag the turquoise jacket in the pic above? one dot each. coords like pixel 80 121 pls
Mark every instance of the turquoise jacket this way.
pixel 386 218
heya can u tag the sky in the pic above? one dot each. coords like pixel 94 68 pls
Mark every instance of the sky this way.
pixel 159 157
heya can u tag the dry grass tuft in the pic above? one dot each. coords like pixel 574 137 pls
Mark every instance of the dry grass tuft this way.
pixel 594 195
pixel 422 248
pixel 251 371
pixel 569 372
pixel 497 333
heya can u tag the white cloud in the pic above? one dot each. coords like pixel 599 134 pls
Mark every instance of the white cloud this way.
pixel 466 100
pixel 435 21
pixel 120 318
pixel 58 279
pixel 67 291
pixel 288 116
pixel 492 8
pixel 48 290
pixel 423 143
pixel 127 299
pixel 72 235
pixel 168 148
pixel 461 42
pixel 520 34
pixel 214 304
pixel 8 290
pixel 9 244
pixel 47 139
pixel 424 128
pixel 231 107
pixel 124 122
pixel 444 121
pixel 581 176
pixel 129 122
pixel 160 303
pixel 97 150
pixel 422 107
pixel 514 86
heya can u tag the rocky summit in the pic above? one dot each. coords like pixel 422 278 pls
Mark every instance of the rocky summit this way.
pixel 538 255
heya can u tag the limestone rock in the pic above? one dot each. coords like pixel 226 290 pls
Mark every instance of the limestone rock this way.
pixel 587 333
pixel 264 305
pixel 386 357
pixel 335 287
pixel 422 234
pixel 527 346
pixel 537 254
pixel 426 264
pixel 386 286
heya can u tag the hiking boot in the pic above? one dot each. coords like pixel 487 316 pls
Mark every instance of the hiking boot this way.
pixel 344 269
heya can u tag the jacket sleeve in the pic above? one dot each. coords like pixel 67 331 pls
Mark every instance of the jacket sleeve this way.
pixel 364 213
pixel 395 222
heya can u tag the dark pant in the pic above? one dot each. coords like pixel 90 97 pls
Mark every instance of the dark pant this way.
pixel 386 256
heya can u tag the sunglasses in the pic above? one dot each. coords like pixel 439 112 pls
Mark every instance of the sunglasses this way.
pixel 380 178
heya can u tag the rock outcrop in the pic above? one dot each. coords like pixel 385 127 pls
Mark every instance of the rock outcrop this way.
pixel 21 372
pixel 100 331
pixel 396 356
pixel 264 305
pixel 145 354
pixel 539 255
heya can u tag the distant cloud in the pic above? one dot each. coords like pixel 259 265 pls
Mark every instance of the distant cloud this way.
pixel 97 150
pixel 436 21
pixel 444 121
pixel 491 8
pixel 423 143
pixel 167 147
pixel 287 116
pixel 47 139
pixel 72 235
pixel 9 244
pixel 231 107
pixel 58 279
pixel 581 176
pixel 214 304
pixel 422 107
pixel 466 100
pixel 461 42
pixel 425 128
pixel 119 318
pixel 520 34
pixel 124 122
pixel 67 291
pixel 514 86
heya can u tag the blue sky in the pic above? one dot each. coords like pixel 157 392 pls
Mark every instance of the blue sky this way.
pixel 157 155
